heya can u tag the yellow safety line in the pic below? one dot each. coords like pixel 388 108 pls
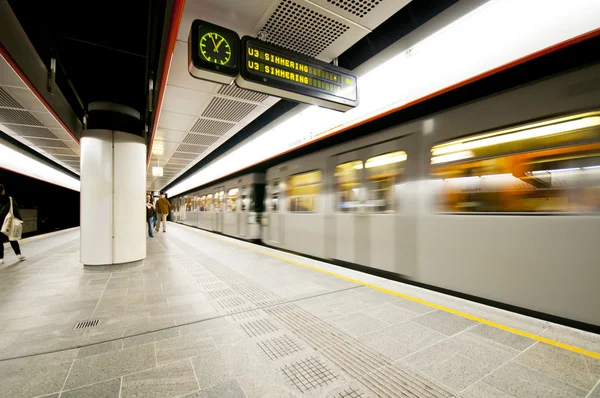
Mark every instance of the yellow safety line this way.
pixel 427 303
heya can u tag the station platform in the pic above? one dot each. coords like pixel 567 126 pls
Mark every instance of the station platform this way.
pixel 208 316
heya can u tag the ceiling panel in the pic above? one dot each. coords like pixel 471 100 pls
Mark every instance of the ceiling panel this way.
pixel 179 75
pixel 182 100
pixel 170 135
pixel 174 121
pixel 26 98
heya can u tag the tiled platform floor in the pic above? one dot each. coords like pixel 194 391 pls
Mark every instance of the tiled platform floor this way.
pixel 205 316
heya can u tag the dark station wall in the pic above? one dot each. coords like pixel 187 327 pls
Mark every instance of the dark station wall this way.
pixel 57 207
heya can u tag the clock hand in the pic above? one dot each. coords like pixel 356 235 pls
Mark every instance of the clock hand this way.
pixel 219 45
pixel 213 40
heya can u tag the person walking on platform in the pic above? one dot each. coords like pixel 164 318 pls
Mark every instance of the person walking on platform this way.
pixel 162 208
pixel 150 215
pixel 5 208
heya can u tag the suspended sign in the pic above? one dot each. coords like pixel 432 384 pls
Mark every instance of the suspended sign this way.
pixel 273 70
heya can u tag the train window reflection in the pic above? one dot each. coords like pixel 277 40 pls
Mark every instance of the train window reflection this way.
pixel 209 202
pixel 276 190
pixel 303 191
pixel 383 172
pixel 219 197
pixel 347 182
pixel 232 197
pixel 245 200
pixel 550 166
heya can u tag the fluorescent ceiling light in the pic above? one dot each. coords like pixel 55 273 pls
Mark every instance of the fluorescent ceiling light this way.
pixel 470 46
pixel 16 161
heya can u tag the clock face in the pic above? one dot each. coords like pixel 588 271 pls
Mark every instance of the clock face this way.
pixel 215 48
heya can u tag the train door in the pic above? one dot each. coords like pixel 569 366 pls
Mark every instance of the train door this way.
pixel 219 198
pixel 368 184
pixel 274 210
pixel 242 215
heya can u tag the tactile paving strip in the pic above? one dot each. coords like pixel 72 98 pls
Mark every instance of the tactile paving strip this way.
pixel 279 347
pixel 308 374
pixel 258 328
pixel 350 393
pixel 375 371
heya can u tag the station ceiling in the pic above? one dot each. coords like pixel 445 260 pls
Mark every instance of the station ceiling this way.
pixel 110 50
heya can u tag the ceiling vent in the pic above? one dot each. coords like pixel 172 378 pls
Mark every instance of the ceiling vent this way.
pixel 42 143
pixel 215 127
pixel 360 8
pixel 183 155
pixel 225 109
pixel 302 29
pixel 60 151
pixel 200 139
pixel 7 101
pixel 236 92
pixel 13 116
pixel 191 149
pixel 36 132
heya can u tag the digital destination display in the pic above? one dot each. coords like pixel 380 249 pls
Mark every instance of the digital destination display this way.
pixel 273 70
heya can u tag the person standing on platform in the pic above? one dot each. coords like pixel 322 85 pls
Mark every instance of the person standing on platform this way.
pixel 162 208
pixel 5 203
pixel 150 215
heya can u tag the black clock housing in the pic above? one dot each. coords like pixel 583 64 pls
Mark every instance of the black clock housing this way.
pixel 200 67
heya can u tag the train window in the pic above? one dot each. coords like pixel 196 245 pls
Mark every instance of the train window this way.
pixel 221 197
pixel 347 183
pixel 549 166
pixel 303 191
pixel 245 199
pixel 232 197
pixel 383 172
pixel 275 191
pixel 209 202
pixel 203 203
pixel 188 204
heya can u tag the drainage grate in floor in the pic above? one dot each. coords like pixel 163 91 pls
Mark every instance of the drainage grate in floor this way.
pixel 257 328
pixel 279 347
pixel 308 374
pixel 87 324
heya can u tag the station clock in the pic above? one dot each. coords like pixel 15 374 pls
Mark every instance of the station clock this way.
pixel 213 52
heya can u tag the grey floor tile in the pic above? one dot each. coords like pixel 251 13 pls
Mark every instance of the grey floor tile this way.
pixel 150 337
pixel 413 306
pixel 578 338
pixel 412 335
pixel 230 389
pixel 483 390
pixel 171 380
pixel 391 314
pixel 110 365
pixel 489 354
pixel 101 348
pixel 521 381
pixel 51 396
pixel 445 322
pixel 509 339
pixel 268 384
pixel 105 389
pixel 559 363
pixel 186 346
pixel 385 345
pixel 595 392
pixel 447 366
pixel 35 376
pixel 359 323
pixel 218 367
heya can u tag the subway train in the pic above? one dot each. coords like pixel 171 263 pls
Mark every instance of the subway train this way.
pixel 497 199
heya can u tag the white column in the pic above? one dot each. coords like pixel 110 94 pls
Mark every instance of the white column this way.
pixel 113 212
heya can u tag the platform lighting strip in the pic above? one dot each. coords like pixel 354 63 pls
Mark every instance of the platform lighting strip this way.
pixel 13 160
pixel 487 38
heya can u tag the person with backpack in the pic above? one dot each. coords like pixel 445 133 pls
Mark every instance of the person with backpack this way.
pixel 8 204
pixel 150 215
